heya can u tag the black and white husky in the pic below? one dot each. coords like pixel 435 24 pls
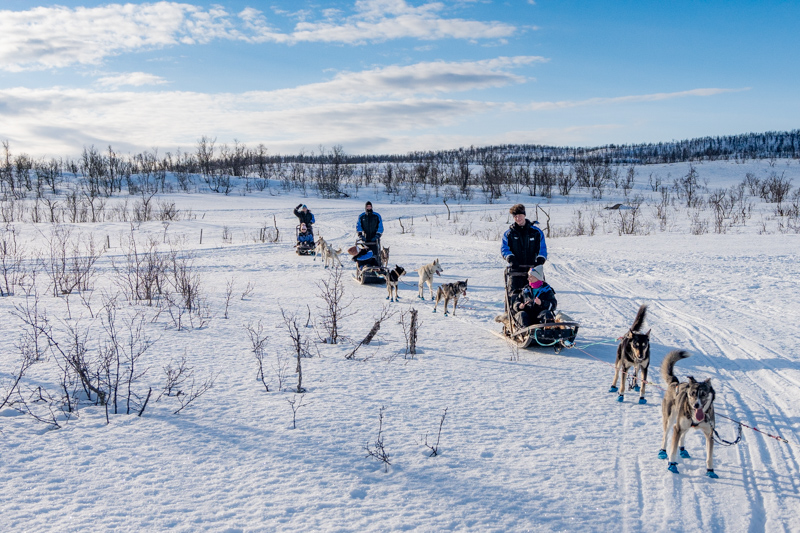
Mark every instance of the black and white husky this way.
pixel 392 280
pixel 633 352
pixel 685 406
pixel 450 291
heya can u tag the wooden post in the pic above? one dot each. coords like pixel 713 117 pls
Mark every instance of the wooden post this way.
pixel 201 235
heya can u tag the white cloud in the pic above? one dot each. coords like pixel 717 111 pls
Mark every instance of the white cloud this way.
pixel 404 81
pixel 52 37
pixel 55 37
pixel 134 79
pixel 545 106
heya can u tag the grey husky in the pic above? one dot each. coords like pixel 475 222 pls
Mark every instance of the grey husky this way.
pixel 450 291
pixel 426 274
pixel 633 352
pixel 685 406
pixel 385 257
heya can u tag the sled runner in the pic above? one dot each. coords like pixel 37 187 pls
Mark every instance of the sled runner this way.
pixel 558 333
pixel 304 247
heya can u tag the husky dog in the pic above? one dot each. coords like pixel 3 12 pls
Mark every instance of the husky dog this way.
pixel 328 254
pixel 385 257
pixel 448 291
pixel 685 406
pixel 426 274
pixel 392 279
pixel 633 352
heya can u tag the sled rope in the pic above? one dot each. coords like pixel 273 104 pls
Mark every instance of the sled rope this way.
pixel 720 440
pixel 739 423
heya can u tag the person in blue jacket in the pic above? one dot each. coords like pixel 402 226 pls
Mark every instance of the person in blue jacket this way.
pixel 370 228
pixel 537 302
pixel 304 216
pixel 305 237
pixel 363 256
pixel 523 247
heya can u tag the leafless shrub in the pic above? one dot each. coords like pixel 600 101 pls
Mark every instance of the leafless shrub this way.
pixel 176 374
pixel 228 295
pixel 248 289
pixel 434 448
pixel 295 404
pixel 775 188
pixel 142 274
pixel 12 260
pixel 654 182
pixel 630 222
pixel 698 225
pixel 335 309
pixel 385 314
pixel 662 207
pixel 258 343
pixel 195 391
pixel 70 262
pixel 299 345
pixel 377 450
pixel 689 188
pixel 410 325
pixel 752 183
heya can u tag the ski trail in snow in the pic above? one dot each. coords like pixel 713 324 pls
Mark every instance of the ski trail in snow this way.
pixel 746 373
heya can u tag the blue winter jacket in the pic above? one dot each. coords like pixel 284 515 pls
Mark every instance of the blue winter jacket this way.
pixel 526 243
pixel 307 238
pixel 371 224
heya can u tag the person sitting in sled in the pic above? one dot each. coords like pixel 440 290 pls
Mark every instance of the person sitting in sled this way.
pixel 363 256
pixel 305 237
pixel 304 216
pixel 537 302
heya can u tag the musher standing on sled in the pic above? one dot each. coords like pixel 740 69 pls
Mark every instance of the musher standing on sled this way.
pixel 370 229
pixel 523 247
pixel 305 216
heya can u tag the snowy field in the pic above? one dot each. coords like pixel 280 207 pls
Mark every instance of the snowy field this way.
pixel 531 440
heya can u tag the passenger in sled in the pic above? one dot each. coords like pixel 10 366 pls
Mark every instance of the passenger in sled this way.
pixel 305 238
pixel 536 303
pixel 363 256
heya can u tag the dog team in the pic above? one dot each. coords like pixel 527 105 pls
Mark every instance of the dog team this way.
pixel 368 252
pixel 685 405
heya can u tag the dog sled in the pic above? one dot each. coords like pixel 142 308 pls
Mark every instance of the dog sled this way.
pixel 368 274
pixel 558 334
pixel 305 247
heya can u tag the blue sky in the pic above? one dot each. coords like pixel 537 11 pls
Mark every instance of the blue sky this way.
pixel 391 76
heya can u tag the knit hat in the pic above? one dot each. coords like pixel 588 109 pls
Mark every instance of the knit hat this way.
pixel 367 204
pixel 517 209
pixel 537 272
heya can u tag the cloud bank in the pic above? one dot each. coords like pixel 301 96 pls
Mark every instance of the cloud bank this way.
pixel 57 37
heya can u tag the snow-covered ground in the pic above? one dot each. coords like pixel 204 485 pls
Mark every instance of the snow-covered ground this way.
pixel 531 440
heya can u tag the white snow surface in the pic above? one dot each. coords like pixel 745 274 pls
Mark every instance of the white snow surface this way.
pixel 529 443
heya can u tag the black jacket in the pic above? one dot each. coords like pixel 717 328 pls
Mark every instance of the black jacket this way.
pixel 370 224
pixel 306 218
pixel 526 243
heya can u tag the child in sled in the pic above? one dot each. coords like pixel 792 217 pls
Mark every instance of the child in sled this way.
pixel 305 238
pixel 536 303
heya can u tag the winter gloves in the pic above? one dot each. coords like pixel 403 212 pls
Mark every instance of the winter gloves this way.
pixel 512 260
